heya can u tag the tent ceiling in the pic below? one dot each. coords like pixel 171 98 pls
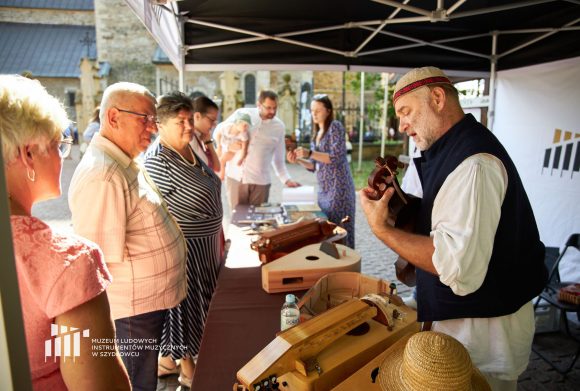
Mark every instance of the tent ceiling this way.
pixel 452 34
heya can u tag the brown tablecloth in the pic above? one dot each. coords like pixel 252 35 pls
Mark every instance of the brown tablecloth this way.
pixel 242 320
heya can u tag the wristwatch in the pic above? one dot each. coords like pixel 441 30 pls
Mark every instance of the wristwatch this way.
pixel 210 141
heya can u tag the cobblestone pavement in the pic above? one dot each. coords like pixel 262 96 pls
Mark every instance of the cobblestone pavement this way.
pixel 377 260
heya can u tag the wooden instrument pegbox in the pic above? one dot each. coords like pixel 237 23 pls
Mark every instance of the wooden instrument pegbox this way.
pixel 384 174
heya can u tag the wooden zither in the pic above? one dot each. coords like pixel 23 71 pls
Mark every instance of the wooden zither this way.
pixel 302 268
pixel 276 243
pixel 323 351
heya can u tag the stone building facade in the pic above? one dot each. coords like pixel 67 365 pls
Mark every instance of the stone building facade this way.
pixel 65 87
pixel 129 53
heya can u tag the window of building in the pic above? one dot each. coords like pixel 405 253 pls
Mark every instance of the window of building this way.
pixel 250 90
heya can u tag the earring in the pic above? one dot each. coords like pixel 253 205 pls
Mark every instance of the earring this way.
pixel 32 177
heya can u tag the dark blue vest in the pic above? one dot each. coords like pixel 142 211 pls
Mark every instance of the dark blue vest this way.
pixel 516 270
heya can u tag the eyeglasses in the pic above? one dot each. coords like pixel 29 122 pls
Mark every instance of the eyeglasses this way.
pixel 319 96
pixel 212 120
pixel 65 146
pixel 149 118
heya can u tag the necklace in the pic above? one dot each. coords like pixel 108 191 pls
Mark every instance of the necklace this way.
pixel 193 158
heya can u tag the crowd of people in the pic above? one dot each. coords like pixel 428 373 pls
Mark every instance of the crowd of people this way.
pixel 147 215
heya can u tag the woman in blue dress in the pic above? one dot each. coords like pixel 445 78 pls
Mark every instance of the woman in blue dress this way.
pixel 327 157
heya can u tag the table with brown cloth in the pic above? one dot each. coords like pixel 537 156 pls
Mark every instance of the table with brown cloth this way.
pixel 241 321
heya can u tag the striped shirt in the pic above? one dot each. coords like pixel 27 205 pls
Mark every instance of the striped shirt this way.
pixel 116 205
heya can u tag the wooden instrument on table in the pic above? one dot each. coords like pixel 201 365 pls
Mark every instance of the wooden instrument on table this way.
pixel 323 351
pixel 366 378
pixel 278 242
pixel 403 207
pixel 336 288
pixel 302 268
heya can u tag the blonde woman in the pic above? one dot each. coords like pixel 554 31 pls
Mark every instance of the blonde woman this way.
pixel 61 278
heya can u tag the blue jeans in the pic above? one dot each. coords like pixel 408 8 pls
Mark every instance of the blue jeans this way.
pixel 138 338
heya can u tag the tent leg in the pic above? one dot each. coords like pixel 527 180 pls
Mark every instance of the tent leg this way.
pixel 362 120
pixel 491 108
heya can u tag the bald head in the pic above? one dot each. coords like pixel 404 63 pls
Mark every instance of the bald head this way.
pixel 128 117
pixel 119 93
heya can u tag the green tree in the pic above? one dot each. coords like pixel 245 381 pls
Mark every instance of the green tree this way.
pixel 373 110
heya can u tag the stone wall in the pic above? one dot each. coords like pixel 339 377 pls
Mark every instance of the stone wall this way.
pixel 124 42
pixel 329 83
pixel 47 16
pixel 58 87
pixel 205 82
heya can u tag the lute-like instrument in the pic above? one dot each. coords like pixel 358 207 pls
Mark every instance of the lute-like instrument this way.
pixel 403 207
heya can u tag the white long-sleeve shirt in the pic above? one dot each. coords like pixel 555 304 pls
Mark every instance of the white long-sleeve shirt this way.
pixel 267 147
pixel 464 221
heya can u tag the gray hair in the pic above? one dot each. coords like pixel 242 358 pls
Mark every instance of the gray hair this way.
pixel 119 92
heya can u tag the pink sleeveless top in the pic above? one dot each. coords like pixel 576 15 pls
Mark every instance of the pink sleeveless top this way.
pixel 56 273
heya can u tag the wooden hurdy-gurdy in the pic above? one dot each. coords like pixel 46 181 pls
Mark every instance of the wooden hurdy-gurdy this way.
pixel 320 353
pixel 283 240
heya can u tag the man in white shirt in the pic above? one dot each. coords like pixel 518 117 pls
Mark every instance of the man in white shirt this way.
pixel 476 247
pixel 115 204
pixel 249 183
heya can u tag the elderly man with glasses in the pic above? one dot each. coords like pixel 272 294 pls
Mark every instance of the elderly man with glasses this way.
pixel 115 204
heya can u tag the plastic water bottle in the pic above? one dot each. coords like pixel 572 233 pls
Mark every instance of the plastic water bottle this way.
pixel 290 314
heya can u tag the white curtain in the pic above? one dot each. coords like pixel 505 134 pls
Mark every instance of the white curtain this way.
pixel 538 110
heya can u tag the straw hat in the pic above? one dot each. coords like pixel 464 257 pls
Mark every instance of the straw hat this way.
pixel 430 361
pixel 417 78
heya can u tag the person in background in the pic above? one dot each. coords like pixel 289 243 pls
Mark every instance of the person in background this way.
pixel 72 132
pixel 232 133
pixel 93 126
pixel 91 129
pixel 61 277
pixel 476 247
pixel 327 156
pixel 115 203
pixel 205 115
pixel 193 194
pixel 250 182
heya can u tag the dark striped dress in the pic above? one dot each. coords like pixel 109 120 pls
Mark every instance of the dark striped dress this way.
pixel 193 196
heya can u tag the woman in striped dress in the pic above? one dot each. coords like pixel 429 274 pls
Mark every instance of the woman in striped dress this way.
pixel 192 192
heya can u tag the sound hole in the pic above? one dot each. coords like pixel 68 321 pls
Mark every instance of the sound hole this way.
pixel 374 374
pixel 361 329
pixel 312 258
pixel 292 280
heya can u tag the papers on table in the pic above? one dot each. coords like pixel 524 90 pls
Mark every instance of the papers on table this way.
pixel 303 195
